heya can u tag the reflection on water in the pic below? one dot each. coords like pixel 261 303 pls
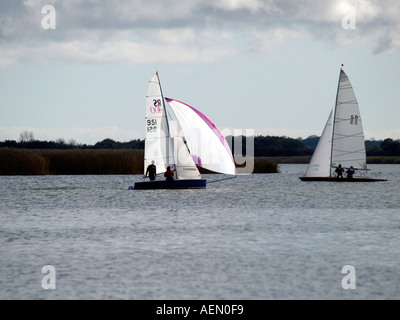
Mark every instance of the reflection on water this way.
pixel 253 237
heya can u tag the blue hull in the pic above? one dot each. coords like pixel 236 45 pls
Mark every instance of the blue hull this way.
pixel 176 184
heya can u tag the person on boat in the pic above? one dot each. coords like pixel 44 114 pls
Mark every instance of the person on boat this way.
pixel 339 171
pixel 151 171
pixel 169 174
pixel 350 172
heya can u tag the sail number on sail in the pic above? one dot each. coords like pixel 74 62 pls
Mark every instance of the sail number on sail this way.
pixel 157 106
pixel 354 119
pixel 151 125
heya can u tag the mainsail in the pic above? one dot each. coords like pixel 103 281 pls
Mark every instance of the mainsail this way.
pixel 348 145
pixel 342 141
pixel 157 141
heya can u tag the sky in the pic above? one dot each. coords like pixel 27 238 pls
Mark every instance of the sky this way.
pixel 80 72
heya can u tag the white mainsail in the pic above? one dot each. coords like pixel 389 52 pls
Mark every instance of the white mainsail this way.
pixel 348 144
pixel 206 144
pixel 157 141
pixel 342 141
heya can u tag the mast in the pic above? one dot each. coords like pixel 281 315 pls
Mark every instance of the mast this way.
pixel 334 120
pixel 166 117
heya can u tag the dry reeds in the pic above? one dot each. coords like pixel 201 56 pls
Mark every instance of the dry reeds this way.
pixel 265 166
pixel 72 161
pixel 86 161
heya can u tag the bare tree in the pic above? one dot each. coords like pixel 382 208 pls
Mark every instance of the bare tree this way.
pixel 26 136
pixel 72 142
pixel 60 141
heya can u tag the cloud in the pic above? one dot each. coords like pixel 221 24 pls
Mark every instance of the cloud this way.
pixel 121 51
pixel 196 31
pixel 251 6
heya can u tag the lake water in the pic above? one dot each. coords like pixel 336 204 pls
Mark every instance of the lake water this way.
pixel 262 236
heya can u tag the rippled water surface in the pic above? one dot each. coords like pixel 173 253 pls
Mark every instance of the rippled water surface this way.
pixel 263 236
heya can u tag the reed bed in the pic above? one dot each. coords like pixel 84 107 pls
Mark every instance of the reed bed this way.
pixel 87 161
pixel 260 165
pixel 72 161
pixel 265 166
pixel 383 160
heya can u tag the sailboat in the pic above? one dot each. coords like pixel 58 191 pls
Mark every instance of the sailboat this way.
pixel 342 140
pixel 182 138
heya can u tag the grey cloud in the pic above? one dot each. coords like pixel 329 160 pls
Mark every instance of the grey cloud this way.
pixel 139 21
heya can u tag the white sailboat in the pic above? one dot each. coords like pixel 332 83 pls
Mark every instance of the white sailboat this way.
pixel 342 141
pixel 182 138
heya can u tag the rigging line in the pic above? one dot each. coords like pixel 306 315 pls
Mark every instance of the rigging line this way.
pixel 338 149
pixel 362 169
pixel 347 160
pixel 347 119
pixel 345 157
pixel 347 102
pixel 221 179
pixel 353 161
pixel 337 119
pixel 343 136
pixel 340 153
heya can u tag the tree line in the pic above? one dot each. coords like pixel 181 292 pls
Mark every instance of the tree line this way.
pixel 264 146
pixel 62 144
pixel 32 157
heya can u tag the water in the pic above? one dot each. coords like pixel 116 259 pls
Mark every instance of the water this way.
pixel 263 236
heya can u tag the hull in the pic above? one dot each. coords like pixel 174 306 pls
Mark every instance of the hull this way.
pixel 334 179
pixel 176 184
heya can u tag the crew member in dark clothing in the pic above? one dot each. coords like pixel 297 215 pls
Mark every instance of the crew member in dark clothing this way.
pixel 350 172
pixel 151 171
pixel 169 174
pixel 339 170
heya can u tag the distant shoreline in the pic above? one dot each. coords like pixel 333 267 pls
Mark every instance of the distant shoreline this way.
pixel 90 162
pixel 306 159
pixel 120 161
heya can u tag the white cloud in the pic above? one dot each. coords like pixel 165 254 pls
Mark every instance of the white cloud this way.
pixel 202 50
pixel 253 6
